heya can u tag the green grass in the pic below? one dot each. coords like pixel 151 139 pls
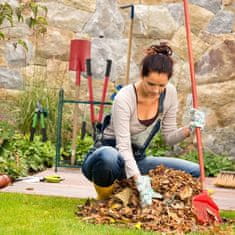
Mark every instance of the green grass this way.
pixel 30 214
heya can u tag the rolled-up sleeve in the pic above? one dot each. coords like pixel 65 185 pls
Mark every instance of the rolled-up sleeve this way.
pixel 121 115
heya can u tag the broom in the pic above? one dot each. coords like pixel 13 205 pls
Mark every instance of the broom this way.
pixel 225 179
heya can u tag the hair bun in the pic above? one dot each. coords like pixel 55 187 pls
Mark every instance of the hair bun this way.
pixel 159 49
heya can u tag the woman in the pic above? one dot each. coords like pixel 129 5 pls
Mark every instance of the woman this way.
pixel 138 112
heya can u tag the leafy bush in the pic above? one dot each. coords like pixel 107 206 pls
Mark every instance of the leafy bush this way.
pixel 20 157
pixel 37 154
pixel 214 163
pixel 157 147
pixel 82 149
pixel 6 131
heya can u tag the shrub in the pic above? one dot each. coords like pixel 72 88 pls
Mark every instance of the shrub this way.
pixel 19 156
pixel 82 149
pixel 157 147
pixel 214 163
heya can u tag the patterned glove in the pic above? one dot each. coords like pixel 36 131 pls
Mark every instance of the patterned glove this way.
pixel 197 119
pixel 146 192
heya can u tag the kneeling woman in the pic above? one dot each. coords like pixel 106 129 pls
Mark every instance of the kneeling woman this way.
pixel 138 112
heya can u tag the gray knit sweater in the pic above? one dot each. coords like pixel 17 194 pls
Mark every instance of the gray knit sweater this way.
pixel 125 126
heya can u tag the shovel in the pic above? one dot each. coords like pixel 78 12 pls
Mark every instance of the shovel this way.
pixel 79 52
pixel 204 207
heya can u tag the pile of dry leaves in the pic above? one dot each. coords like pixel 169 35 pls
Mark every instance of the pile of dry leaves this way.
pixel 171 214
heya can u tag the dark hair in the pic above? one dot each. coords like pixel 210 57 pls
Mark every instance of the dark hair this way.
pixel 158 59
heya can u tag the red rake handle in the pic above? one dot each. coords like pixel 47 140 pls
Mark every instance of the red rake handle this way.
pixel 194 90
pixel 91 97
pixel 105 87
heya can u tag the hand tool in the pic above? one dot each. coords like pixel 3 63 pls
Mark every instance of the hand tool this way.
pixel 39 116
pixel 91 96
pixel 79 52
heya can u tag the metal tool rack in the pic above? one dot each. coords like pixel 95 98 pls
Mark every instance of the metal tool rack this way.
pixel 62 101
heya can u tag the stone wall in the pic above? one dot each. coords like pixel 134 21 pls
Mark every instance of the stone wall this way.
pixel 102 21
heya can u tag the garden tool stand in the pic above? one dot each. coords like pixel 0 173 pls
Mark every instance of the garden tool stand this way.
pixel 58 161
pixel 39 119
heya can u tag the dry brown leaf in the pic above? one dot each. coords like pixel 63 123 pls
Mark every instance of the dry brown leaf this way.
pixel 173 214
pixel 178 205
pixel 124 195
pixel 185 193
pixel 116 205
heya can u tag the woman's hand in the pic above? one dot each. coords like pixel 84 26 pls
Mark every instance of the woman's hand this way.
pixel 143 184
pixel 197 118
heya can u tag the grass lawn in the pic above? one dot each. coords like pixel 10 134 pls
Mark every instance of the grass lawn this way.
pixel 30 214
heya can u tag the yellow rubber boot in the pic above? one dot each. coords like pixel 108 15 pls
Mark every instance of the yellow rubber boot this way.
pixel 103 192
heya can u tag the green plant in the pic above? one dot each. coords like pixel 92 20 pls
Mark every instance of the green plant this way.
pixel 20 157
pixel 157 147
pixel 6 132
pixel 214 163
pixel 82 149
pixel 37 154
pixel 26 104
pixel 6 13
pixel 36 21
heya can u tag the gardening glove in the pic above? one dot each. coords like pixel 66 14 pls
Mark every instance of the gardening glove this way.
pixel 197 119
pixel 146 192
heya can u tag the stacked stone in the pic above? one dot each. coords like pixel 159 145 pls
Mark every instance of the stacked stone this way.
pixel 213 41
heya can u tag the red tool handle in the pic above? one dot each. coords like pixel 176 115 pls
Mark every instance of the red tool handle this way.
pixel 78 78
pixel 91 97
pixel 194 90
pixel 105 88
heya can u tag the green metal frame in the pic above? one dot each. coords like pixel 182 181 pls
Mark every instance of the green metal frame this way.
pixel 61 103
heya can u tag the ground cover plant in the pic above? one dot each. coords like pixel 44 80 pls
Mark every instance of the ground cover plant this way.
pixel 19 156
pixel 214 163
pixel 83 146
pixel 56 215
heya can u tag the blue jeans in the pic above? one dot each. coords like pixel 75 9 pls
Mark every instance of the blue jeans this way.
pixel 105 165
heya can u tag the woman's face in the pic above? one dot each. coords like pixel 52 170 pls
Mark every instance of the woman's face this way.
pixel 154 84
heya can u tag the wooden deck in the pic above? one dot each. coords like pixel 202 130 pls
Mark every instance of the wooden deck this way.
pixel 77 186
